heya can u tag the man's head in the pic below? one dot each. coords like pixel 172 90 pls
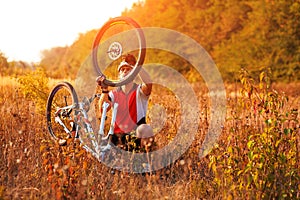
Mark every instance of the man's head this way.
pixel 128 60
pixel 127 64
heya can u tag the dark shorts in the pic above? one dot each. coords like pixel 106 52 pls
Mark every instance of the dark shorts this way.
pixel 128 141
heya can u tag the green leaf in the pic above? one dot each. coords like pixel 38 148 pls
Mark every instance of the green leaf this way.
pixel 278 142
pixel 230 150
pixel 287 131
pixel 261 76
pixel 250 144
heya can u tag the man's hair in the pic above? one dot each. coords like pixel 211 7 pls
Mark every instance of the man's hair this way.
pixel 129 58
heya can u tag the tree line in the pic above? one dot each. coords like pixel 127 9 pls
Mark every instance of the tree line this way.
pixel 238 34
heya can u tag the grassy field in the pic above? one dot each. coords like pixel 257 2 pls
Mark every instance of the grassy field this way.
pixel 257 155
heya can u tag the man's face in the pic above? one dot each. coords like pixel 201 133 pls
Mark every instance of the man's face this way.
pixel 124 71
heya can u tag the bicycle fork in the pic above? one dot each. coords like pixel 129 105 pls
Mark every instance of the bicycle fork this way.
pixel 102 149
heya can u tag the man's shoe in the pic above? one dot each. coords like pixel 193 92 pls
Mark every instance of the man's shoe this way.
pixel 62 142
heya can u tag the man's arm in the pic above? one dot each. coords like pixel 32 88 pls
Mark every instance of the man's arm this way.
pixel 104 98
pixel 147 82
pixel 104 94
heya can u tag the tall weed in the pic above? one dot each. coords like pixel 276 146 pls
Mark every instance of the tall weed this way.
pixel 260 159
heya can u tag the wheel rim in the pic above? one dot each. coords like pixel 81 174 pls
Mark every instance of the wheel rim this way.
pixel 114 43
pixel 60 96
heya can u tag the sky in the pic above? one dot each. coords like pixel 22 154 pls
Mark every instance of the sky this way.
pixel 29 26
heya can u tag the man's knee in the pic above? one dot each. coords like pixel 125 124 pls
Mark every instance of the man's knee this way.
pixel 146 136
pixel 144 131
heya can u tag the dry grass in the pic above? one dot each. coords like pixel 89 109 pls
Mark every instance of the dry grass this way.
pixel 32 166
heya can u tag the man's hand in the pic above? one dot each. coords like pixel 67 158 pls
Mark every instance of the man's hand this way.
pixel 100 80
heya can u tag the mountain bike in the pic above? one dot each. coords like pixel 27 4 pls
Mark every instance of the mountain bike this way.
pixel 66 116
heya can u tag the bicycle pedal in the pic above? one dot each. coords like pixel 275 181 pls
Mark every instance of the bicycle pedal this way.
pixel 73 134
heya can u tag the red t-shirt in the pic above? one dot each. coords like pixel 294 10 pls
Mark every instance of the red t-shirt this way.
pixel 131 110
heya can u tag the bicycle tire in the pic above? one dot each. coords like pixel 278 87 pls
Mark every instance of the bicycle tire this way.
pixel 56 131
pixel 141 49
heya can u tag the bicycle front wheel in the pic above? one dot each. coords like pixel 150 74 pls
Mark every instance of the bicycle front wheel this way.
pixel 61 110
pixel 117 37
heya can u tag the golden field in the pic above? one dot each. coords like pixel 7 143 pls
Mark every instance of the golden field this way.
pixel 257 155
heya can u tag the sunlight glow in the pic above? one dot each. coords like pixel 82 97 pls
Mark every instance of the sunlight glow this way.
pixel 28 27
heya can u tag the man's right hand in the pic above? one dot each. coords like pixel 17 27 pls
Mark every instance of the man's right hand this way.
pixel 100 80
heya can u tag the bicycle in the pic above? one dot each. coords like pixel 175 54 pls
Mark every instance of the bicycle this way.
pixel 66 116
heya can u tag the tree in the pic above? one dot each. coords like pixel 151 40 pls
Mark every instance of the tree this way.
pixel 3 64
pixel 268 39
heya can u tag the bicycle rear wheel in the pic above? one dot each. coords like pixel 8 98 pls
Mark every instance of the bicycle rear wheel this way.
pixel 118 36
pixel 61 109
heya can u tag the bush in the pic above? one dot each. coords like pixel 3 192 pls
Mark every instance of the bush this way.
pixel 34 86
pixel 260 158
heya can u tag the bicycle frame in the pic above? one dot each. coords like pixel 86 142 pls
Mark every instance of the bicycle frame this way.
pixel 99 142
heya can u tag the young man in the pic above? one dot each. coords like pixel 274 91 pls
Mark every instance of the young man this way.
pixel 132 99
